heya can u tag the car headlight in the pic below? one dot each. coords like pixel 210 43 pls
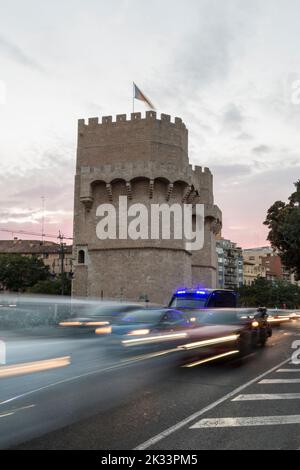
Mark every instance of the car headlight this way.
pixel 141 332
pixel 70 323
pixel 105 330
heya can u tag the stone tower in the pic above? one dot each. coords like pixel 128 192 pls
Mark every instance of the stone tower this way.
pixel 145 159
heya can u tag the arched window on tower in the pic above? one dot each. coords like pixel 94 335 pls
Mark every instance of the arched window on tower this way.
pixel 81 257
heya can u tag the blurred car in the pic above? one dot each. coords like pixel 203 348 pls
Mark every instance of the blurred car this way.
pixel 87 317
pixel 294 314
pixel 203 298
pixel 200 333
pixel 147 328
pixel 277 316
pixel 250 326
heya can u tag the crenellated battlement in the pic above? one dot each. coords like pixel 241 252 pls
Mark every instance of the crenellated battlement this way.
pixel 135 139
pixel 122 119
pixel 150 170
pixel 199 170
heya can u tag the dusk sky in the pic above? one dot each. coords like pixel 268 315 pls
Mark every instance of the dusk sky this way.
pixel 226 67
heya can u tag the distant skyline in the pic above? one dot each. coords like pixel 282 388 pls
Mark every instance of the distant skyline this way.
pixel 226 68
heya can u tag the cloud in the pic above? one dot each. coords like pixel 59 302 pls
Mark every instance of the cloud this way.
pixel 262 149
pixel 49 174
pixel 232 118
pixel 230 171
pixel 20 216
pixel 244 136
pixel 246 205
pixel 18 55
pixel 221 66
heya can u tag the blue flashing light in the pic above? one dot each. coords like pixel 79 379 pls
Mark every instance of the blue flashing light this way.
pixel 197 292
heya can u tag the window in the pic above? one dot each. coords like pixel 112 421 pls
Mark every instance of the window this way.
pixel 81 257
pixel 222 300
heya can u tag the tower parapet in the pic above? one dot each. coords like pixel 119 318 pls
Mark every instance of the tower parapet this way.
pixel 132 140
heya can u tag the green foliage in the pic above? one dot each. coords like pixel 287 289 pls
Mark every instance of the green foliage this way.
pixel 269 294
pixel 283 220
pixel 18 273
pixel 51 287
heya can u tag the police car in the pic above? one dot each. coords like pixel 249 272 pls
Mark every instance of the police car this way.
pixel 203 298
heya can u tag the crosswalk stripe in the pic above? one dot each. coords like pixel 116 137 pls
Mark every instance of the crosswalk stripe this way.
pixel 280 381
pixel 268 396
pixel 184 422
pixel 246 421
pixel 288 370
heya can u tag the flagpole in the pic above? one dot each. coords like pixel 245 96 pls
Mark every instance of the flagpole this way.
pixel 133 97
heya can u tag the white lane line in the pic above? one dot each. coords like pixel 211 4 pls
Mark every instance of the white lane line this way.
pixel 268 396
pixel 288 370
pixel 12 412
pixel 249 421
pixel 119 365
pixel 70 379
pixel 280 381
pixel 167 432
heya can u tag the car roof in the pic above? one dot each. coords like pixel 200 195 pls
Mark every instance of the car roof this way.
pixel 209 290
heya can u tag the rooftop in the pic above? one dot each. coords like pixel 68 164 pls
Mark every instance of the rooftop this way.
pixel 32 247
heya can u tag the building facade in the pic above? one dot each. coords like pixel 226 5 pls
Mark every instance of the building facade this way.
pixel 264 262
pixel 274 268
pixel 230 264
pixel 48 252
pixel 146 161
pixel 255 255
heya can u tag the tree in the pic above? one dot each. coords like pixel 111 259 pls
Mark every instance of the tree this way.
pixel 51 287
pixel 18 273
pixel 271 294
pixel 283 221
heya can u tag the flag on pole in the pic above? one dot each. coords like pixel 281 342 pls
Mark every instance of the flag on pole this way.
pixel 139 95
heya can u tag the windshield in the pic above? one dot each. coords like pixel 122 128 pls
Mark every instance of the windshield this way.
pixel 190 302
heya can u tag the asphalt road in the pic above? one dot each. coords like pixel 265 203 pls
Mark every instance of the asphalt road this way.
pixel 97 402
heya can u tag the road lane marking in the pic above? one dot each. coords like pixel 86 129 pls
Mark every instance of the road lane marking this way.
pixel 112 367
pixel 12 412
pixel 288 370
pixel 268 396
pixel 60 382
pixel 280 381
pixel 167 432
pixel 210 359
pixel 248 421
